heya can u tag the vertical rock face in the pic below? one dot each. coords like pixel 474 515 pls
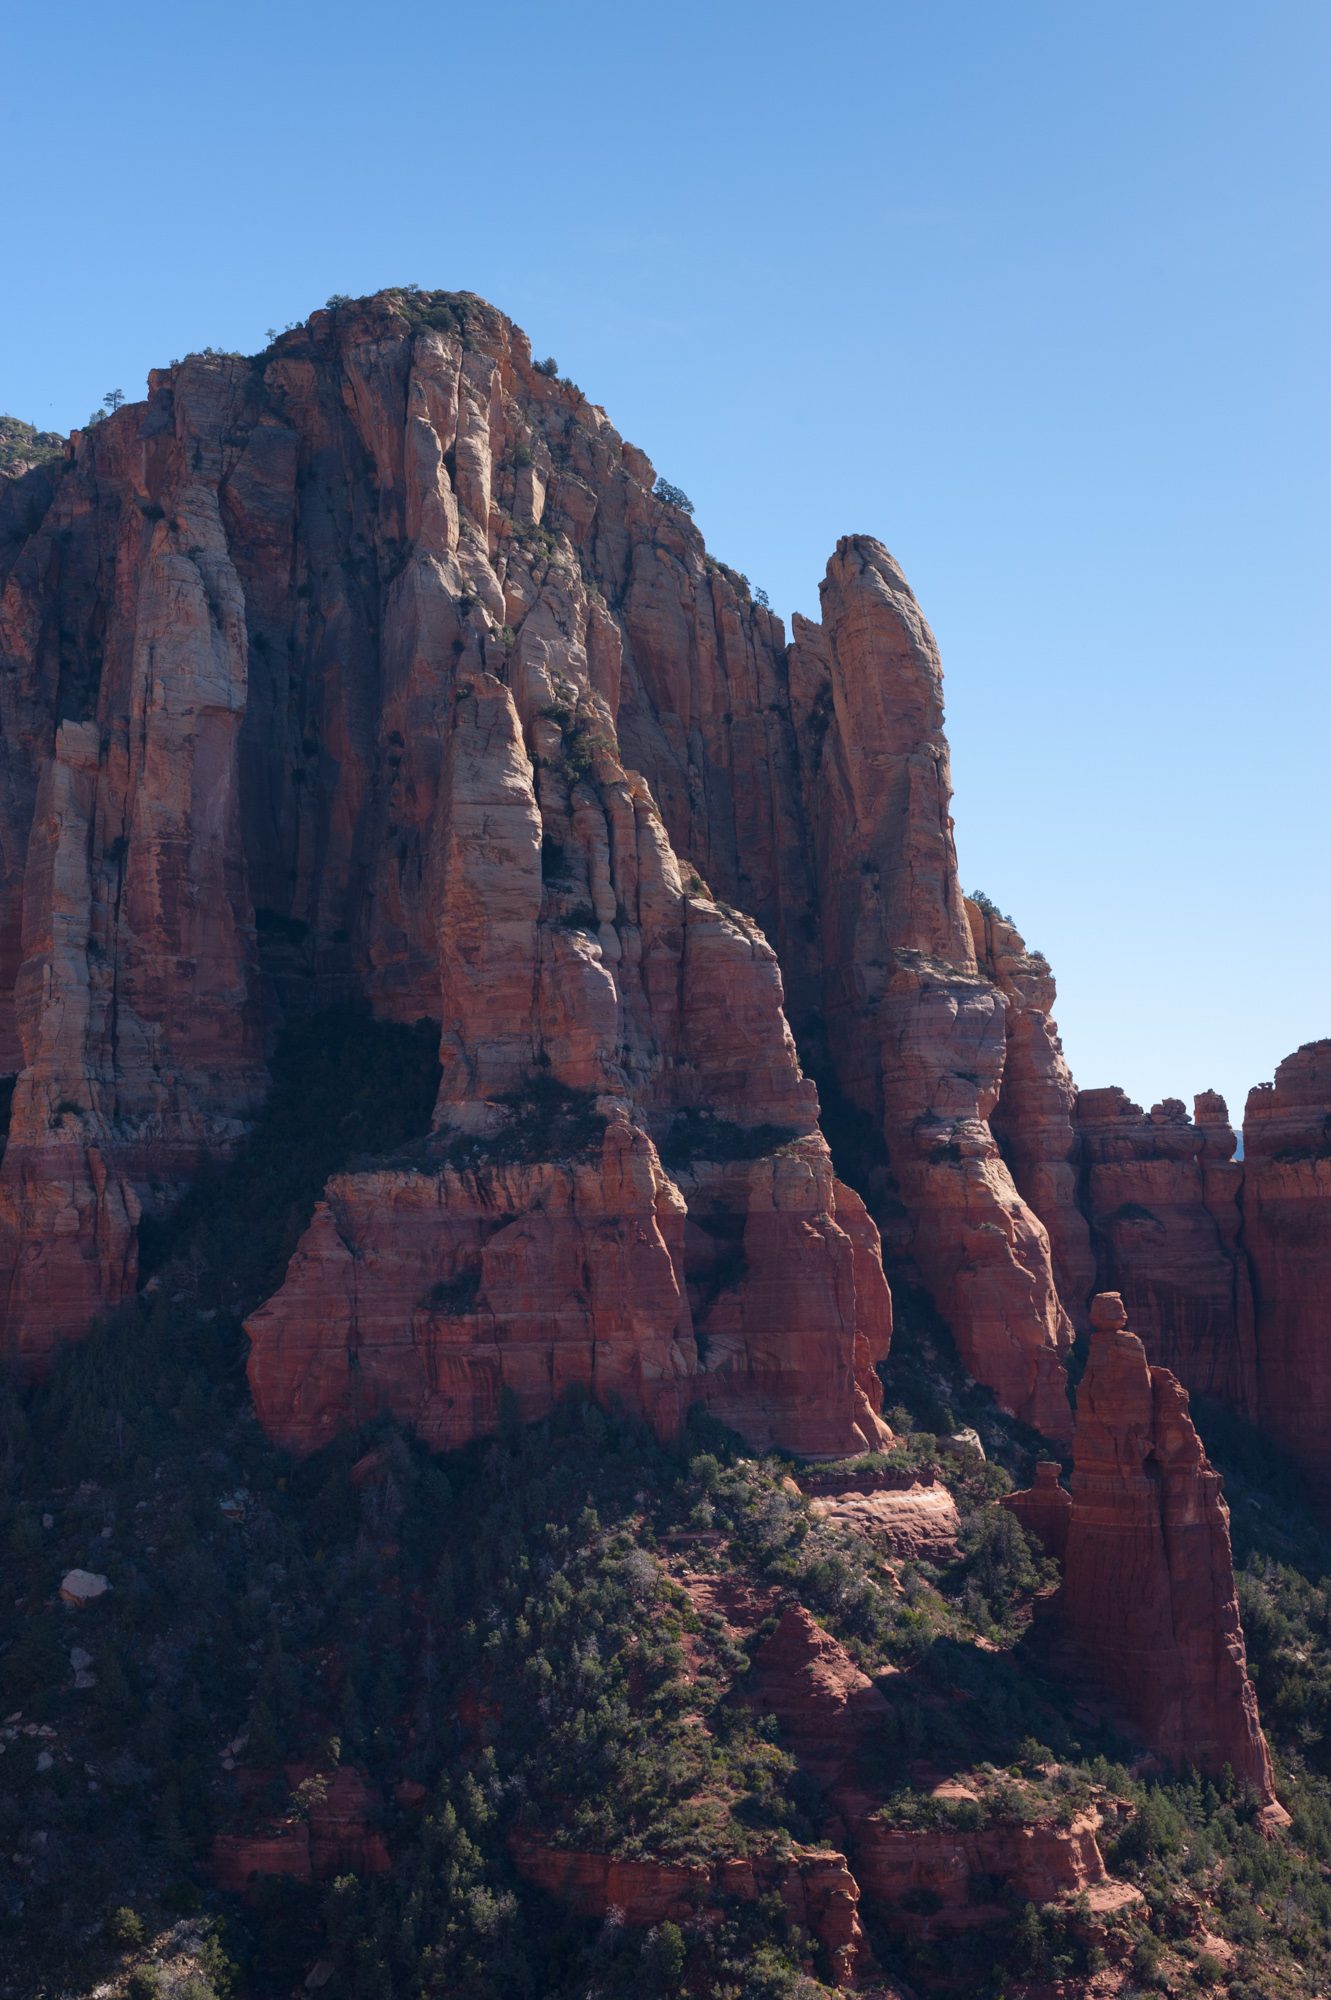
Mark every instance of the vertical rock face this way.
pixel 138 1039
pixel 1162 1194
pixel 1148 1589
pixel 1287 1234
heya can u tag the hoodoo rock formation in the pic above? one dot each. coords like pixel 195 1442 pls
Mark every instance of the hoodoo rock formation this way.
pixel 1148 1585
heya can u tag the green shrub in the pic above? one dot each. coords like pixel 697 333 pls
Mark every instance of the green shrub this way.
pixel 673 496
pixel 124 1927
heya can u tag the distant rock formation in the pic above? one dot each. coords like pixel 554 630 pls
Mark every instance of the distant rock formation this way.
pixel 1287 1236
pixel 1162 1195
pixel 1224 1263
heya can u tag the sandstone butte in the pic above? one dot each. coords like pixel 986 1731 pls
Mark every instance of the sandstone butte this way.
pixel 1148 1575
pixel 375 666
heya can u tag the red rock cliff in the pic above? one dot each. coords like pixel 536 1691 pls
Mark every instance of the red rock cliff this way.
pixel 315 688
pixel 376 666
pixel 1148 1588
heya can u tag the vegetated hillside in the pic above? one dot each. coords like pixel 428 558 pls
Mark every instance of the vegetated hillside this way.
pixel 569 1642
pixel 22 446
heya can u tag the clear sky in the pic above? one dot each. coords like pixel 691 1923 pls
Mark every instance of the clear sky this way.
pixel 1036 293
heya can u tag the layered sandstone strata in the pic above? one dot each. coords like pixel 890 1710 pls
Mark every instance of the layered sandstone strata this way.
pixel 916 1523
pixel 814 1884
pixel 925 1878
pixel 348 723
pixel 626 1188
pixel 1148 1573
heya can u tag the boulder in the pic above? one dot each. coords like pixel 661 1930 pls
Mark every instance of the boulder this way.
pixel 82 1586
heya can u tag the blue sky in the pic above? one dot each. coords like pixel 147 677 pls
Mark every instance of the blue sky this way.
pixel 1037 294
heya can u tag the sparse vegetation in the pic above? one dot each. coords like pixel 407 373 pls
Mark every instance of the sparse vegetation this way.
pixel 545 1121
pixel 701 1135
pixel 673 496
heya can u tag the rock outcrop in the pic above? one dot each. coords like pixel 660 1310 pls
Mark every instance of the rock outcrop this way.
pixel 127 942
pixel 1287 1236
pixel 1148 1577
pixel 815 1886
pixel 326 1829
pixel 1223 1262
pixel 915 1523
pixel 825 1704
pixel 925 1878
